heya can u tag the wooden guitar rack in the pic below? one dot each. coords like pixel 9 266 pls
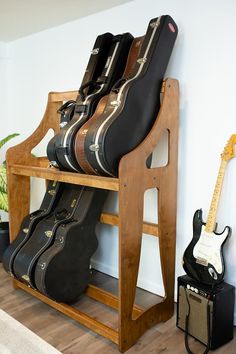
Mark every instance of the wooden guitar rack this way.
pixel 134 179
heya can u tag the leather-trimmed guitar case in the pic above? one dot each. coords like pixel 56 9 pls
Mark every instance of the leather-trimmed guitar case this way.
pixel 29 223
pixel 93 71
pixel 131 109
pixel 81 134
pixel 87 103
pixel 63 270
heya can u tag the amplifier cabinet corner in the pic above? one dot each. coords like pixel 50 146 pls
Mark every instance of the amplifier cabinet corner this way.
pixel 196 297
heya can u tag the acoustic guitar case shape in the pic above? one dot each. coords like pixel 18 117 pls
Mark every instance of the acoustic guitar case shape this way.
pixel 63 270
pixel 93 71
pixel 81 133
pixel 43 235
pixel 132 108
pixel 66 112
pixel 29 223
pixel 86 105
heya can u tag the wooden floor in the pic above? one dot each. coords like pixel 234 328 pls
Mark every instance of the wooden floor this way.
pixel 70 337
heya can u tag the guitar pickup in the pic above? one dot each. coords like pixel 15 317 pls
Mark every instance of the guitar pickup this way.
pixel 202 261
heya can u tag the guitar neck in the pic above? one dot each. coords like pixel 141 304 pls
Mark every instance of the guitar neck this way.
pixel 211 219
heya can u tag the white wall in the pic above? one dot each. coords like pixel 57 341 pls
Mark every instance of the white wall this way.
pixel 204 63
pixel 3 89
pixel 3 104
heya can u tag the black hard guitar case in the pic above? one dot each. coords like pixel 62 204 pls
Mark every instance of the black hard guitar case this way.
pixel 93 71
pixel 87 102
pixel 132 107
pixel 29 223
pixel 44 232
pixel 63 270
pixel 66 112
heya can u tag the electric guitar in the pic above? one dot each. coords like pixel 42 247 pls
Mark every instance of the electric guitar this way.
pixel 203 258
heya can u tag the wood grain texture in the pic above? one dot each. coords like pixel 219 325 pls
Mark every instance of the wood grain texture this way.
pixel 132 168
pixel 63 176
pixel 134 179
pixel 113 219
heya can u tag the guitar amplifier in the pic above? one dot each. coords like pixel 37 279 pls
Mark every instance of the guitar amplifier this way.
pixel 211 311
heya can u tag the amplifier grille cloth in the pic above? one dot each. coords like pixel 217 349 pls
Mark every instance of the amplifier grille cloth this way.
pixel 198 313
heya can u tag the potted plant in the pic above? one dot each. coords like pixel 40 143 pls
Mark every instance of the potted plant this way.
pixel 4 225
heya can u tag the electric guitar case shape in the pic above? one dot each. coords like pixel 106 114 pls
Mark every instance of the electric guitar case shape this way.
pixel 94 69
pixel 63 270
pixel 29 223
pixel 87 103
pixel 131 109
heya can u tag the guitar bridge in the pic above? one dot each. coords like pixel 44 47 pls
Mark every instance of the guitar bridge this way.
pixel 201 261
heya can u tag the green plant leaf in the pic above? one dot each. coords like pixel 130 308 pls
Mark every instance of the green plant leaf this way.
pixel 3 189
pixel 3 201
pixel 9 137
pixel 3 179
pixel 3 176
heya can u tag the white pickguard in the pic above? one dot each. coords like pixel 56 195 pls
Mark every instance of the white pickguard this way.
pixel 208 248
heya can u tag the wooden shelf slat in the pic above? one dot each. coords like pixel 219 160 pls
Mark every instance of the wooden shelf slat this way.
pixel 113 219
pixel 72 312
pixel 63 96
pixel 109 299
pixel 109 183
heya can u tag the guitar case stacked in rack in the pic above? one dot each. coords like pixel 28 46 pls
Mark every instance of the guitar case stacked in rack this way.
pixel 53 252
pixel 117 104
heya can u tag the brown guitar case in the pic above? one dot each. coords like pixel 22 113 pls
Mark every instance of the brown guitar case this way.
pixel 81 134
pixel 87 100
pixel 96 63
pixel 132 106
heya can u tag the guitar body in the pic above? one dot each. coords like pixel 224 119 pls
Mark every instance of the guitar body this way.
pixel 63 270
pixel 29 223
pixel 132 108
pixel 85 107
pixel 203 258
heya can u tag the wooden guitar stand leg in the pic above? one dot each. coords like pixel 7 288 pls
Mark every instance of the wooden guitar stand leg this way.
pixel 134 179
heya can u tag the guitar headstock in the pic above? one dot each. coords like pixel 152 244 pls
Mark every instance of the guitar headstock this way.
pixel 228 152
